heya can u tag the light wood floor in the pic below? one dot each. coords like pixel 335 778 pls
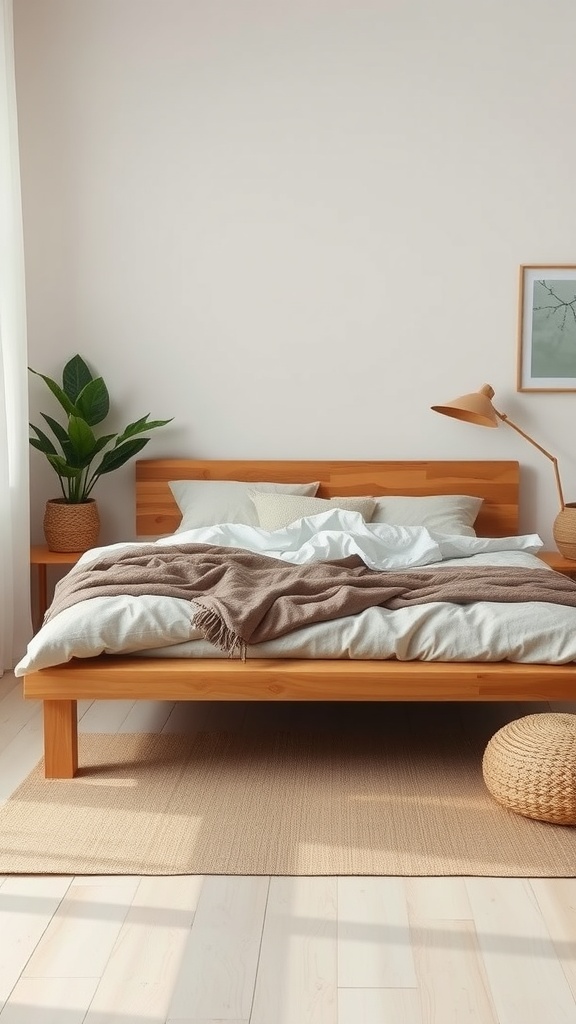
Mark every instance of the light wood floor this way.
pixel 208 950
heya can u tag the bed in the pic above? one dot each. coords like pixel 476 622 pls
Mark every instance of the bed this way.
pixel 156 676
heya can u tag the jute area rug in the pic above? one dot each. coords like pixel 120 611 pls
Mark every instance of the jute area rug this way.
pixel 404 796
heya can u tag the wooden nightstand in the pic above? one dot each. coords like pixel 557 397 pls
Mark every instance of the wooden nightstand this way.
pixel 567 566
pixel 42 557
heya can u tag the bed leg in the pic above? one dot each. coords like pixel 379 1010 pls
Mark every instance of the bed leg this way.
pixel 60 739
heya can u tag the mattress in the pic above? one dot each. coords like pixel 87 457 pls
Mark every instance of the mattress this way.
pixel 529 632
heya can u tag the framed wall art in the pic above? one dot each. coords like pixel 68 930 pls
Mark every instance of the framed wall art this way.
pixel 547 328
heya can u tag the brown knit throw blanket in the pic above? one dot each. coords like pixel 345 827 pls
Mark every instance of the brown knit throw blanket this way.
pixel 242 598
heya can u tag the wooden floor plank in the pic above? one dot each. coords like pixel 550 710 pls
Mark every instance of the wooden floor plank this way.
pixel 437 898
pixel 138 980
pixel 374 934
pixel 15 714
pixel 557 902
pixel 8 683
pixel 219 964
pixel 451 977
pixel 297 974
pixel 21 755
pixel 27 906
pixel 105 715
pixel 527 982
pixel 82 933
pixel 147 716
pixel 380 1006
pixel 49 1001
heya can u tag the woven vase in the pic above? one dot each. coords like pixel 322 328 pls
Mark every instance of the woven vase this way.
pixel 71 527
pixel 564 530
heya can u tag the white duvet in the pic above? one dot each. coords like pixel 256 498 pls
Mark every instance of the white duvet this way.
pixel 483 631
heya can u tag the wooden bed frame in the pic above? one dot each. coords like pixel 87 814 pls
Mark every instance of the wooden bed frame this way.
pixel 140 678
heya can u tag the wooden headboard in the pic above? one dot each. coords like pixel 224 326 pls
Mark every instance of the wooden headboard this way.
pixel 496 482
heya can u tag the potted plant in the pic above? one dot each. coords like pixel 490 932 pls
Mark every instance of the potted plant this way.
pixel 79 457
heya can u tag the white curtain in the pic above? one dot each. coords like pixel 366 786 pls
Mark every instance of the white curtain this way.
pixel 15 627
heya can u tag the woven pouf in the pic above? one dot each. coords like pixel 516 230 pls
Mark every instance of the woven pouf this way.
pixel 529 766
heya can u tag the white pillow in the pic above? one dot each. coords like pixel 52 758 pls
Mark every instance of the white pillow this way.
pixel 209 502
pixel 275 511
pixel 444 513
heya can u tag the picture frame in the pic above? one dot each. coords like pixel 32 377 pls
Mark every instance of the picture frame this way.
pixel 547 328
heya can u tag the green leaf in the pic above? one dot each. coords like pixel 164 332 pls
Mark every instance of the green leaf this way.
pixel 101 442
pixel 59 432
pixel 42 442
pixel 62 467
pixel 58 393
pixel 139 426
pixel 93 402
pixel 82 440
pixel 118 456
pixel 75 376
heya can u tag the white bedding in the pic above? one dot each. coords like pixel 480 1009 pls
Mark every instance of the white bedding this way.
pixel 483 631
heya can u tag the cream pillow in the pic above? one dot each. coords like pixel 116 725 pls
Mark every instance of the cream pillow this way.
pixel 443 513
pixel 208 502
pixel 278 510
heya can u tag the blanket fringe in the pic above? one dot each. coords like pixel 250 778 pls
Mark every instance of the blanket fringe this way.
pixel 218 633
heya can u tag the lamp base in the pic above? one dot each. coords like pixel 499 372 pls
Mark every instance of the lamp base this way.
pixel 564 530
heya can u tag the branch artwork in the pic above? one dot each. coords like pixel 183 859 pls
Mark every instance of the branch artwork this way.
pixel 547 329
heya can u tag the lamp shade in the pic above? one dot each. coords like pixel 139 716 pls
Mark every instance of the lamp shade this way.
pixel 477 408
pixel 473 408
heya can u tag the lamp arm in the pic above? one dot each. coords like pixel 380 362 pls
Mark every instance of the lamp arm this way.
pixel 502 416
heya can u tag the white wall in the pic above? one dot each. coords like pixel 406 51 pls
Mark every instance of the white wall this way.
pixel 296 224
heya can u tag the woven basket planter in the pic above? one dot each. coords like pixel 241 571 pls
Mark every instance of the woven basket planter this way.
pixel 70 527
pixel 529 766
pixel 564 530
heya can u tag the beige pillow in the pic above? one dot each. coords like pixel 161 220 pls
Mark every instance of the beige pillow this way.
pixel 208 502
pixel 443 513
pixel 276 511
